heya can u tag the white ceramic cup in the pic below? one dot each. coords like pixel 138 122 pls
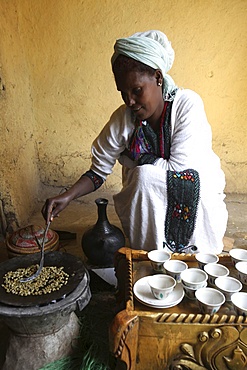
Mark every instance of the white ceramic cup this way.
pixel 215 270
pixel 161 285
pixel 228 285
pixel 194 278
pixel 209 300
pixel 205 258
pixel 239 301
pixel 190 292
pixel 241 268
pixel 174 268
pixel 158 258
pixel 237 255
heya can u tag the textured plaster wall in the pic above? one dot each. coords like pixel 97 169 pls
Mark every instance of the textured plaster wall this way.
pixel 59 88
pixel 19 176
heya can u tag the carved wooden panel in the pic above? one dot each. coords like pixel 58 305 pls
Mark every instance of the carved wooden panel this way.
pixel 177 338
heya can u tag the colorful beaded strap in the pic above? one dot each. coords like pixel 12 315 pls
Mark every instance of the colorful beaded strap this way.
pixel 183 191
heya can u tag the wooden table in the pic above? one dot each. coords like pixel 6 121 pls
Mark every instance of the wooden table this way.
pixel 176 338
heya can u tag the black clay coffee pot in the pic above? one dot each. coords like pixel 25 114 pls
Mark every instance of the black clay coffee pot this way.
pixel 100 242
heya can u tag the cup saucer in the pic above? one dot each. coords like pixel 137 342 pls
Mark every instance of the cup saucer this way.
pixel 144 295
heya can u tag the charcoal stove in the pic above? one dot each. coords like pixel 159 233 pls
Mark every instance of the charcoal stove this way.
pixel 42 328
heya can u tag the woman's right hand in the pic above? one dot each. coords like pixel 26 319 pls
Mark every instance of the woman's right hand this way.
pixel 53 206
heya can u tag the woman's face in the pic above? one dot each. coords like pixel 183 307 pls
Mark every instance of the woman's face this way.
pixel 142 94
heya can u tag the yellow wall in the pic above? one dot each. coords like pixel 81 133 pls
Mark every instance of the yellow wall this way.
pixel 19 175
pixel 59 90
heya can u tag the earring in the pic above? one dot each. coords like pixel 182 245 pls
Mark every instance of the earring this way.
pixel 159 83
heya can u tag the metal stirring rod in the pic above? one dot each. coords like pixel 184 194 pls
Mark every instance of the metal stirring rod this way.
pixel 41 264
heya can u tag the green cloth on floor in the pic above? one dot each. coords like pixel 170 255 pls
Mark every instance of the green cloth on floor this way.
pixel 83 361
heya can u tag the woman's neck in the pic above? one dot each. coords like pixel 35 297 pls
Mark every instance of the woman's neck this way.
pixel 155 120
pixel 155 125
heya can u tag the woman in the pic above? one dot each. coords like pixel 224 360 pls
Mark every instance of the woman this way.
pixel 173 185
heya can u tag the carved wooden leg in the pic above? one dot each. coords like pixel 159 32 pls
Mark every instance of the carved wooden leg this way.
pixel 124 339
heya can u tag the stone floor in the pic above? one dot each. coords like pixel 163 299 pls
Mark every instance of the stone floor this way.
pixel 81 214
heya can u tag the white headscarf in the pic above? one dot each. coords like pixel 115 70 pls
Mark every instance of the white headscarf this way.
pixel 151 48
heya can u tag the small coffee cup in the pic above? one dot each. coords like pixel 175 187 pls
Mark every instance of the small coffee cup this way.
pixel 209 300
pixel 205 258
pixel 215 270
pixel 241 268
pixel 190 292
pixel 161 285
pixel 158 258
pixel 238 255
pixel 228 285
pixel 194 278
pixel 239 301
pixel 174 268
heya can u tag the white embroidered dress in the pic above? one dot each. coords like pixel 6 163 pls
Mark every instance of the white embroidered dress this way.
pixel 142 203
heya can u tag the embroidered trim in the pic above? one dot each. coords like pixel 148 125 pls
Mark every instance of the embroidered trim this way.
pixel 183 192
pixel 96 179
pixel 170 96
pixel 166 132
